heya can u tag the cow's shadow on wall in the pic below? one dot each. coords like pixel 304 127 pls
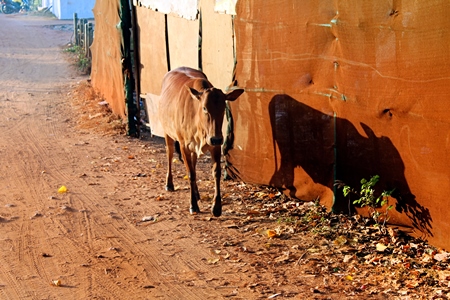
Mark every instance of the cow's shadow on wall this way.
pixel 329 149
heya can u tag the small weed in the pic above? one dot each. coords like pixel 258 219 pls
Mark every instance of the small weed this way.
pixel 367 197
pixel 83 63
pixel 288 220
pixel 315 218
pixel 73 49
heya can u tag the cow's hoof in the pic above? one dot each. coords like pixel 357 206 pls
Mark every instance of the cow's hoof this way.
pixel 170 188
pixel 216 210
pixel 194 211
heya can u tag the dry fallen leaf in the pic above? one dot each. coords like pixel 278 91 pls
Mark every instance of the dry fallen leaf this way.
pixel 148 219
pixel 205 197
pixel 348 258
pixel 56 282
pixel 313 250
pixel 271 233
pixel 381 247
pixel 410 284
pixel 444 275
pixel 393 233
pixel 283 257
pixel 340 240
pixel 260 194
pixel 213 261
pixel 441 256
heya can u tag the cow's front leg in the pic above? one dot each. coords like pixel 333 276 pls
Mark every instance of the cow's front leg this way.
pixel 194 166
pixel 170 147
pixel 190 161
pixel 216 171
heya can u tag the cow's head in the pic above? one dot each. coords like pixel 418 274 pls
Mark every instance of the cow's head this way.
pixel 211 111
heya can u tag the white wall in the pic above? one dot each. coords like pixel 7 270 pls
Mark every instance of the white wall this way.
pixel 64 9
pixel 183 8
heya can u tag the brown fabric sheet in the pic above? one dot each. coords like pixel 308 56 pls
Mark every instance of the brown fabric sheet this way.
pixel 217 46
pixel 152 49
pixel 106 73
pixel 183 42
pixel 346 90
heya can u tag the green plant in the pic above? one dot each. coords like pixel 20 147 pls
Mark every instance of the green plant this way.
pixel 368 197
pixel 73 49
pixel 287 220
pixel 83 63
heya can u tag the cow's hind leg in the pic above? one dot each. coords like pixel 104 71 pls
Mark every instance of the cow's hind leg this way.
pixel 217 201
pixel 190 161
pixel 169 150
pixel 178 151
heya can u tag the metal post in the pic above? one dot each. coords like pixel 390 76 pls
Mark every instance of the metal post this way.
pixel 136 65
pixel 127 68
pixel 89 38
pixel 81 38
pixel 80 23
pixel 86 39
pixel 75 27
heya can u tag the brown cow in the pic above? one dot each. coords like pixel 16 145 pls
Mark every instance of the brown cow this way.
pixel 191 112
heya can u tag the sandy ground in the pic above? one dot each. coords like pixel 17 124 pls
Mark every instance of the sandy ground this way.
pixel 115 233
pixel 87 238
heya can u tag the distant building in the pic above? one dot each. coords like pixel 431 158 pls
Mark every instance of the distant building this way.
pixel 64 9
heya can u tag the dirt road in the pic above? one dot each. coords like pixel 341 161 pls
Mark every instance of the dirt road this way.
pixel 87 238
pixel 88 243
pixel 115 233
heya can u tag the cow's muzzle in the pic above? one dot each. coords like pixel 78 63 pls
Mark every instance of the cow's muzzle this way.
pixel 216 141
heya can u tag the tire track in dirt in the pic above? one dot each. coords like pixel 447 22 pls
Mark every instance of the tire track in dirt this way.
pixel 7 277
pixel 29 169
pixel 34 259
pixel 23 125
pixel 89 207
pixel 89 235
pixel 14 291
pixel 101 233
pixel 92 206
pixel 125 233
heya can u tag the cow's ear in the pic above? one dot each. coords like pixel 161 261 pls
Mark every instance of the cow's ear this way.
pixel 194 93
pixel 234 94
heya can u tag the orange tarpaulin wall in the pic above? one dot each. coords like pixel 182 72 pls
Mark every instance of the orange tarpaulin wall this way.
pixel 343 90
pixel 335 90
pixel 106 73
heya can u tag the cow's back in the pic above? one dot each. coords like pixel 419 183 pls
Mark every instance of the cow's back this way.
pixel 176 80
pixel 177 109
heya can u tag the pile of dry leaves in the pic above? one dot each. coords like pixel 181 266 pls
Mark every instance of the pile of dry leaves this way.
pixel 93 112
pixel 368 260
